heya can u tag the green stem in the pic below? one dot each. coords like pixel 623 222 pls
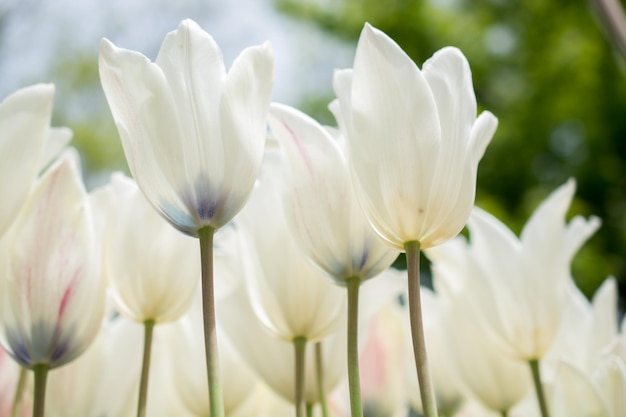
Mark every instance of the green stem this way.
pixel 309 410
pixel 319 367
pixel 145 367
pixel 216 401
pixel 299 344
pixel 427 394
pixel 504 413
pixel 19 392
pixel 354 384
pixel 41 375
pixel 541 398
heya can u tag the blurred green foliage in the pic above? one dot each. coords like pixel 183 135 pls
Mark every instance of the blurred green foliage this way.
pixel 547 71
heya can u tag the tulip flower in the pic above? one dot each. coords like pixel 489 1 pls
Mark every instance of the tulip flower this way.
pixel 490 375
pixel 586 329
pixel 320 205
pixel 326 218
pixel 290 296
pixel 414 143
pixel 193 136
pixel 518 287
pixel 601 393
pixel 26 144
pixel 153 280
pixel 184 341
pixel 52 293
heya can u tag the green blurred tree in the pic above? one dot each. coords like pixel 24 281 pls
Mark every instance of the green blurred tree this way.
pixel 556 85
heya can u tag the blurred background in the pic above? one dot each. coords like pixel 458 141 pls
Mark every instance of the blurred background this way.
pixel 550 71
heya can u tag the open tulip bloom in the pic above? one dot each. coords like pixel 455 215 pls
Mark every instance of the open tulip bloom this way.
pixel 193 136
pixel 517 288
pixel 414 144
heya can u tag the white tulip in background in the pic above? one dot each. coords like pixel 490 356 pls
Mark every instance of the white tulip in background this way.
pixel 291 296
pixel 413 137
pixel 587 329
pixel 320 206
pixel 381 366
pixel 273 358
pixel 185 342
pixel 519 286
pixel 103 381
pixel 51 288
pixel 446 378
pixel 602 393
pixel 153 270
pixel 192 133
pixel 483 371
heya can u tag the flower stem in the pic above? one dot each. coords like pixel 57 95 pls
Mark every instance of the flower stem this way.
pixel 504 413
pixel 319 368
pixel 356 408
pixel 309 410
pixel 41 375
pixel 541 398
pixel 299 344
pixel 216 401
pixel 145 367
pixel 19 392
pixel 427 394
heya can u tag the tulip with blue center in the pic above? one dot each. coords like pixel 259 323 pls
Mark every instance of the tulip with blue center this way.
pixel 193 135
pixel 325 217
pixel 52 292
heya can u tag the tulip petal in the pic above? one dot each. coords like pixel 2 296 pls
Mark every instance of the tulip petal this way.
pixel 482 131
pixel 245 101
pixel 395 153
pixel 24 122
pixel 144 112
pixel 575 396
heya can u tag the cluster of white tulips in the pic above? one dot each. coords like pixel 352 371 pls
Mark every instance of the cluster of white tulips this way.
pixel 232 275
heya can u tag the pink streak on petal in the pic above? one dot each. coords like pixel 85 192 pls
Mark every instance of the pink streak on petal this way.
pixel 298 143
pixel 67 295
pixel 372 361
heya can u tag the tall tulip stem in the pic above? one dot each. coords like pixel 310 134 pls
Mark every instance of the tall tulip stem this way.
pixel 353 284
pixel 541 398
pixel 145 367
pixel 216 400
pixel 41 376
pixel 319 369
pixel 427 394
pixel 19 392
pixel 299 344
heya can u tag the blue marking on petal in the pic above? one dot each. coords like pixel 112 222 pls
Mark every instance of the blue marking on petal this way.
pixel 178 218
pixel 18 349
pixel 364 257
pixel 205 208
pixel 59 351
